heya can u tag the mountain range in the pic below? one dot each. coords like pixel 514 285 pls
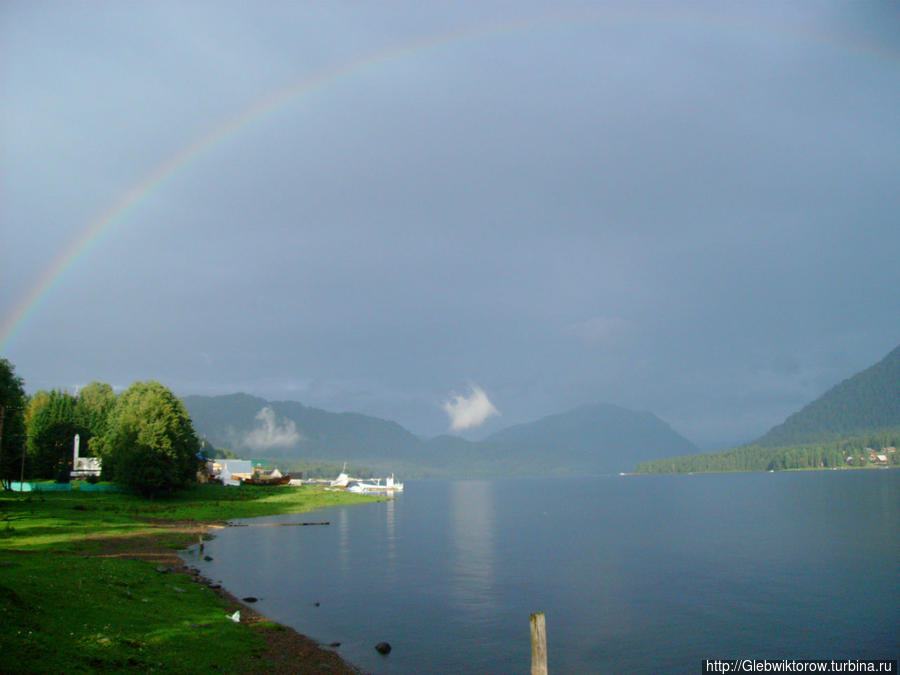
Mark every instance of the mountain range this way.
pixel 592 439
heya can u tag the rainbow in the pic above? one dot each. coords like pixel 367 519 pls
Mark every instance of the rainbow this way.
pixel 118 211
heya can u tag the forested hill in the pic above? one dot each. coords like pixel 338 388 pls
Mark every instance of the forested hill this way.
pixel 855 424
pixel 261 428
pixel 868 401
pixel 877 449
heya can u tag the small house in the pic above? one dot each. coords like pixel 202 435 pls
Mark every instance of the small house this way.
pixel 231 471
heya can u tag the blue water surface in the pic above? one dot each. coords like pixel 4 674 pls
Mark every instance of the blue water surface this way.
pixel 636 574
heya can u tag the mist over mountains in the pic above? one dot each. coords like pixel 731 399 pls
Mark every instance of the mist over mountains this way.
pixel 592 439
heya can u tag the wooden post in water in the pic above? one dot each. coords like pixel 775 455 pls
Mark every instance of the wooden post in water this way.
pixel 538 644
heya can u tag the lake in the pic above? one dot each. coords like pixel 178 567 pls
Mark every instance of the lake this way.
pixel 636 574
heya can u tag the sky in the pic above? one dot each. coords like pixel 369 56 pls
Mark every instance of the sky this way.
pixel 458 216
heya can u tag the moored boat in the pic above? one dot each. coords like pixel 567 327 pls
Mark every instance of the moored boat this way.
pixel 387 485
pixel 343 479
pixel 267 478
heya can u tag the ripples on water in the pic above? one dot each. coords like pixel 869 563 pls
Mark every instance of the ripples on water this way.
pixel 636 574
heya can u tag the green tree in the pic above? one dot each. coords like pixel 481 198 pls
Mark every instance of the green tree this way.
pixel 95 402
pixel 12 422
pixel 150 444
pixel 52 421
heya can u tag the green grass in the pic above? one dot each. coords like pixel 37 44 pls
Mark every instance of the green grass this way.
pixel 63 608
pixel 71 520
pixel 84 614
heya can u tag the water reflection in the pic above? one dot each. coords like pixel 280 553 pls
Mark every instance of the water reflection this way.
pixel 472 574
pixel 390 520
pixel 390 543
pixel 344 552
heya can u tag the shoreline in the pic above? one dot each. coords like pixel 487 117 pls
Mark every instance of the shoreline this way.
pixel 793 470
pixel 287 651
pixel 126 599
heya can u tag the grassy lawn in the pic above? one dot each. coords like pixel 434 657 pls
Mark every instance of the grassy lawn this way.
pixel 76 597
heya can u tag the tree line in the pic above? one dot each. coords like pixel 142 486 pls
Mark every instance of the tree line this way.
pixel 856 451
pixel 144 436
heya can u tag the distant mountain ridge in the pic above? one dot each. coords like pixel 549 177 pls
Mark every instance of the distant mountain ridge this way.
pixel 868 401
pixel 601 435
pixel 592 439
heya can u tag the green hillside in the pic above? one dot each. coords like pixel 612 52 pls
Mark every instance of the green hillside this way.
pixel 868 401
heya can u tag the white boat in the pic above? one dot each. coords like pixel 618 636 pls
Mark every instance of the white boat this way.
pixel 343 479
pixel 390 485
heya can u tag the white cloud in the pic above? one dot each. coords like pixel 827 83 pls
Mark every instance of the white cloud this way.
pixel 268 434
pixel 466 412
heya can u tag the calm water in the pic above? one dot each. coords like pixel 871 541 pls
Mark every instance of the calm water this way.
pixel 636 574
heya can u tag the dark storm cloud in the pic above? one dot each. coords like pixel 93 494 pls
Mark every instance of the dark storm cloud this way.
pixel 685 209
